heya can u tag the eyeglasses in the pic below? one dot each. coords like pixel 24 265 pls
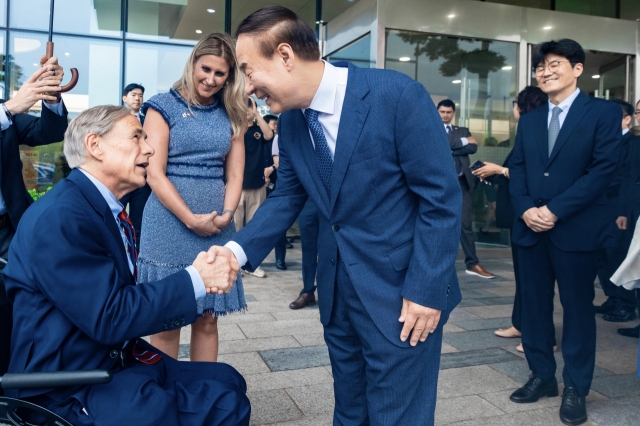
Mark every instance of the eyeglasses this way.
pixel 515 103
pixel 637 112
pixel 553 67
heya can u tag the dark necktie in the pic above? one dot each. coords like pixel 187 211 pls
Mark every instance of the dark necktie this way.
pixel 554 127
pixel 324 162
pixel 448 130
pixel 130 234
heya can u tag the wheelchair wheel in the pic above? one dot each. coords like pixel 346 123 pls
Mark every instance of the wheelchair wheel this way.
pixel 9 417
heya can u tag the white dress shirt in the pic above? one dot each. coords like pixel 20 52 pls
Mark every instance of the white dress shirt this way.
pixel 275 150
pixel 449 128
pixel 328 102
pixel 5 124
pixel 116 208
pixel 625 131
pixel 564 106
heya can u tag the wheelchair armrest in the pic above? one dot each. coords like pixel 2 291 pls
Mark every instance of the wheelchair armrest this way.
pixel 54 380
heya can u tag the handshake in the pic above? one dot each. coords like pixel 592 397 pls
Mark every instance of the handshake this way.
pixel 218 269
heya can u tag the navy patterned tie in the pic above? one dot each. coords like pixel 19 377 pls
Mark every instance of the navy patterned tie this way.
pixel 324 162
pixel 554 127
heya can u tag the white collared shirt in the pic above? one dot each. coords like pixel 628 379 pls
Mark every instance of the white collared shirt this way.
pixel 116 208
pixel 564 106
pixel 328 101
pixel 625 131
pixel 449 128
pixel 5 124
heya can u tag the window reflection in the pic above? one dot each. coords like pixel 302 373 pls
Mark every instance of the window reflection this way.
pixel 162 20
pixel 358 52
pixel 155 67
pixel 100 17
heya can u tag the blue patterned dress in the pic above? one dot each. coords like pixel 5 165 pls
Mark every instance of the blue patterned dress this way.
pixel 198 144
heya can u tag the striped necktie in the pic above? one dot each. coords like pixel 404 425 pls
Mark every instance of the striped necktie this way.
pixel 554 127
pixel 130 244
pixel 324 162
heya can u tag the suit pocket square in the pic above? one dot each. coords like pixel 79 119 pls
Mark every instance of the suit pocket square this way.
pixel 401 256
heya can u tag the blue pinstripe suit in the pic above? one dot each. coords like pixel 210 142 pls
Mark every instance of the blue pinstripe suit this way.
pixel 389 229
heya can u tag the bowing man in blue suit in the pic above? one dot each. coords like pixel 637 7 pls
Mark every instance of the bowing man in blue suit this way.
pixel 368 147
pixel 71 279
pixel 565 156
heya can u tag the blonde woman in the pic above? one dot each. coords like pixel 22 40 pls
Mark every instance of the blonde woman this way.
pixel 197 132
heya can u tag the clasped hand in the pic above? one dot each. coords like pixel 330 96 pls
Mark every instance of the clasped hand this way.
pixel 208 224
pixel 539 219
pixel 218 269
pixel 421 319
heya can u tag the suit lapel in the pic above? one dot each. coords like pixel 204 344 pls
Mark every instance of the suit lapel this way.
pixel 353 115
pixel 542 132
pixel 100 205
pixel 578 109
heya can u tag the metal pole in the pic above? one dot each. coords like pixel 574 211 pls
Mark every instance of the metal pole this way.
pixel 51 20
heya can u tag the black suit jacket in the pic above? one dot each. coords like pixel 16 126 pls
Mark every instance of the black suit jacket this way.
pixel 629 197
pixel 25 130
pixel 461 152
pixel 573 181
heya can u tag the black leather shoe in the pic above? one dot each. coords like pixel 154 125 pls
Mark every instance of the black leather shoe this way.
pixel 305 299
pixel 606 307
pixel 289 245
pixel 281 265
pixel 619 315
pixel 534 389
pixel 573 410
pixel 630 332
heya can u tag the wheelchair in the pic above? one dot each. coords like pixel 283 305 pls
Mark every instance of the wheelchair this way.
pixel 12 409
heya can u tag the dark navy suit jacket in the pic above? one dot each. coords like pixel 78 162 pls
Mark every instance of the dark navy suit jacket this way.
pixel 393 217
pixel 629 199
pixel 573 181
pixel 461 152
pixel 74 299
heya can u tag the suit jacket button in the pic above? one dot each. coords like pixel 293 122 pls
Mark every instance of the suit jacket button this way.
pixel 333 262
pixel 165 326
pixel 113 354
pixel 336 228
pixel 546 174
pixel 183 322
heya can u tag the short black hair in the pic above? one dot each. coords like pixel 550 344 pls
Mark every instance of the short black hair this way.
pixel 277 24
pixel 530 98
pixel 448 103
pixel 566 48
pixel 627 108
pixel 131 87
pixel 269 118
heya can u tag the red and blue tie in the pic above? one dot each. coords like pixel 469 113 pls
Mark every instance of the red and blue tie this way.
pixel 130 234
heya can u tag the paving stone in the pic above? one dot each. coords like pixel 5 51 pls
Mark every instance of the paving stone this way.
pixel 245 318
pixel 272 406
pixel 490 311
pixel 459 314
pixel 485 324
pixel 310 339
pixel 451 328
pixel 259 344
pixel 230 332
pixel 447 348
pixel 468 285
pixel 463 408
pixel 283 379
pixel 503 291
pixel 506 300
pixel 318 421
pixel 617 386
pixel 470 302
pixel 501 400
pixel 245 363
pixel 621 412
pixel 618 362
pixel 475 294
pixel 470 358
pixel 474 340
pixel 296 314
pixel 472 381
pixel 314 401
pixel 540 417
pixel 281 328
pixel 296 358
pixel 249 298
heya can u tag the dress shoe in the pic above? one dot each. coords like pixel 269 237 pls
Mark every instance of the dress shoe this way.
pixel 534 389
pixel 305 299
pixel 619 315
pixel 606 307
pixel 573 410
pixel 507 333
pixel 281 265
pixel 630 332
pixel 289 245
pixel 258 273
pixel 480 271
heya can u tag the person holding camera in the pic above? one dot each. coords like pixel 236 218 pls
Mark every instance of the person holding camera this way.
pixel 254 189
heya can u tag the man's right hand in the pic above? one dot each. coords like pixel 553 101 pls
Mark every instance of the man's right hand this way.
pixel 621 221
pixel 220 252
pixel 216 274
pixel 535 220
pixel 472 140
pixel 33 91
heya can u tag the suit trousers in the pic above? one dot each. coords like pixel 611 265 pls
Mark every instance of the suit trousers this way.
pixel 309 224
pixel 516 314
pixel 137 199
pixel 281 245
pixel 541 265
pixel 250 200
pixel 169 392
pixel 467 238
pixel 609 260
pixel 375 381
pixel 6 312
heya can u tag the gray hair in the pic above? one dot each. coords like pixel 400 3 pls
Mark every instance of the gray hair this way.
pixel 98 120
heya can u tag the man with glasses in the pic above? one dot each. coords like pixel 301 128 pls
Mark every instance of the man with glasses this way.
pixel 565 156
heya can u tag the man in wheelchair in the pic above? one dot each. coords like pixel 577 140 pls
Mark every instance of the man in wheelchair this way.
pixel 76 306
